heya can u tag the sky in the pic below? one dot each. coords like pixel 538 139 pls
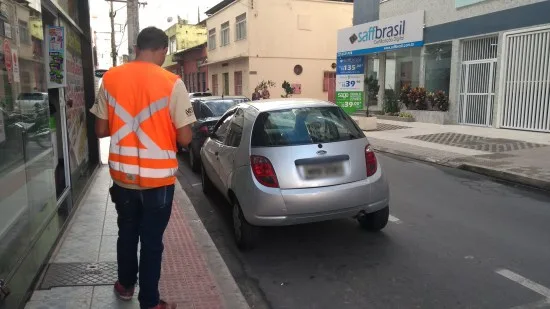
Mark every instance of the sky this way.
pixel 155 13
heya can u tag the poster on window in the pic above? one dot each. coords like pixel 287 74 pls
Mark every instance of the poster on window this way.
pixel 2 128
pixel 74 97
pixel 55 57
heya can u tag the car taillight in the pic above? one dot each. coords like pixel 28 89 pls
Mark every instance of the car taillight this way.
pixel 203 129
pixel 264 171
pixel 372 162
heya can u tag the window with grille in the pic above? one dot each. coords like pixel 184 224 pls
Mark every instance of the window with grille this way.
pixel 173 45
pixel 24 36
pixel 212 39
pixel 239 83
pixel 327 79
pixel 240 27
pixel 225 34
pixel 215 84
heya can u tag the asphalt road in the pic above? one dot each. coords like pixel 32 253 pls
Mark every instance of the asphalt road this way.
pixel 456 240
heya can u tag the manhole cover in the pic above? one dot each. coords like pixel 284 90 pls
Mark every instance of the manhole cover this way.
pixel 79 274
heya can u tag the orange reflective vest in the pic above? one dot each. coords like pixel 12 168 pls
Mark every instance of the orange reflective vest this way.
pixel 143 137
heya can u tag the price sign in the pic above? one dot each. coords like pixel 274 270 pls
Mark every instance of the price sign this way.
pixel 349 82
pixel 350 65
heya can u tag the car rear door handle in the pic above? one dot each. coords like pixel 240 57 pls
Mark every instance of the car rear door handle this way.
pixel 216 153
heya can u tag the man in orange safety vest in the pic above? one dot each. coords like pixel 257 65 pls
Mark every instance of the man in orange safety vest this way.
pixel 146 111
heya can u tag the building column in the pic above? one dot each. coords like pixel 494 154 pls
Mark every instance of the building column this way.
pixel 454 87
pixel 422 77
pixel 381 79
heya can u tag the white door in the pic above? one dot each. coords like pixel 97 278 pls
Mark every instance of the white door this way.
pixel 477 81
pixel 525 83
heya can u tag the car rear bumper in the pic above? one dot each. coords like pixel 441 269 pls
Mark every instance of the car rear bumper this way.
pixel 273 207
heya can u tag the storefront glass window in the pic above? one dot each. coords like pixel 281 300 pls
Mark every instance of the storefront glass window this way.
pixel 70 7
pixel 27 195
pixel 403 68
pixel 437 59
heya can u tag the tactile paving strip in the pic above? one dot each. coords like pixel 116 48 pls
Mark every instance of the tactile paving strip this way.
pixel 389 127
pixel 480 143
pixel 79 274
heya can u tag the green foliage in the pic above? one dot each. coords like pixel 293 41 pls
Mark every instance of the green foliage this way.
pixel 288 90
pixel 405 115
pixel 372 87
pixel 391 102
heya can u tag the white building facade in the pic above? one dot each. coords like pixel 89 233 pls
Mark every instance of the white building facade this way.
pixel 492 58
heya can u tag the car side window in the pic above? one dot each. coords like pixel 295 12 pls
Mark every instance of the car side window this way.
pixel 220 134
pixel 235 129
pixel 205 111
pixel 196 109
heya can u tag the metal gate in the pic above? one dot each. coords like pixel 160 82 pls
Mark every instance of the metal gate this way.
pixel 526 81
pixel 477 81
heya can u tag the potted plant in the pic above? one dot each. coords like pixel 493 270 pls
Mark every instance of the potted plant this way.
pixel 288 90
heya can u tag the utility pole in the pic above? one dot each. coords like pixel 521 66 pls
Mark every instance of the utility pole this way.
pixel 113 43
pixel 133 27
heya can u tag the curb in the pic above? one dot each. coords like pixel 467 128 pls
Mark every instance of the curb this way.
pixel 496 174
pixel 507 176
pixel 231 295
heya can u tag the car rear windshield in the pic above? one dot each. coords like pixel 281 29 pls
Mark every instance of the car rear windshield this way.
pixel 216 108
pixel 303 126
pixel 31 96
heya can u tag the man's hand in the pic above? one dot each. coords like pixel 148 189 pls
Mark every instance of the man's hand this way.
pixel 184 135
pixel 101 128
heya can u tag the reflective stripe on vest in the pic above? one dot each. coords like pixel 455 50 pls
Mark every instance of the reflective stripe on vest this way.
pixel 132 173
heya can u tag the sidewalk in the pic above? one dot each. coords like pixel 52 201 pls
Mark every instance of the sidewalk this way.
pixel 510 155
pixel 83 267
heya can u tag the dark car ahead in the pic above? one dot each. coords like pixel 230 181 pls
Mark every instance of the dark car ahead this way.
pixel 208 110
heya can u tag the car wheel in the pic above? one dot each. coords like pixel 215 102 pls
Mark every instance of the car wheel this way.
pixel 207 186
pixel 246 235
pixel 193 160
pixel 375 221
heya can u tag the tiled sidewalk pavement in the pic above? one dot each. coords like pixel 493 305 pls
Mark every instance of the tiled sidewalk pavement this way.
pixel 510 155
pixel 193 273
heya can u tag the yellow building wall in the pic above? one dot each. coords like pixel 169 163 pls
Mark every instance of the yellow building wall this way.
pixel 280 35
pixel 235 48
pixel 187 36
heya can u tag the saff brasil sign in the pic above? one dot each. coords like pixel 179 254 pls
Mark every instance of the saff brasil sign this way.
pixel 350 78
pixel 383 35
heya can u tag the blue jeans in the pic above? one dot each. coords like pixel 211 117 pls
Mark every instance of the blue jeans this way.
pixel 142 216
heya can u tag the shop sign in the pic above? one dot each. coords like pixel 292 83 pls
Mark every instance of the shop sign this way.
pixel 350 83
pixel 8 59
pixel 56 58
pixel 15 66
pixel 382 35
pixel 7 30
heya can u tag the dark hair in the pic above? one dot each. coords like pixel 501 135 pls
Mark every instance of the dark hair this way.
pixel 152 38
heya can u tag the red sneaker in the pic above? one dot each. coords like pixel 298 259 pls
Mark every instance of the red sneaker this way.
pixel 165 305
pixel 122 292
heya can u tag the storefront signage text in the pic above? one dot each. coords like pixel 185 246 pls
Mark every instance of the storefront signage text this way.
pixel 57 62
pixel 350 77
pixel 383 35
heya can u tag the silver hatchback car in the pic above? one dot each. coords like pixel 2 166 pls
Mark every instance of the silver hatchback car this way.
pixel 293 161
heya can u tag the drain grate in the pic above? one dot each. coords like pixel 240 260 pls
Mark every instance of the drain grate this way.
pixel 480 143
pixel 389 127
pixel 79 274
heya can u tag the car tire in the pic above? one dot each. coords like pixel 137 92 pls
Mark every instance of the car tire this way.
pixel 375 221
pixel 246 235
pixel 207 185
pixel 193 160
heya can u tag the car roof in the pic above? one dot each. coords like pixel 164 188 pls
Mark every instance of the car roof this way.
pixel 212 98
pixel 280 104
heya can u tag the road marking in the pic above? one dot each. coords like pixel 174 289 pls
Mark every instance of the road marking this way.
pixel 536 305
pixel 531 285
pixel 196 184
pixel 395 220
